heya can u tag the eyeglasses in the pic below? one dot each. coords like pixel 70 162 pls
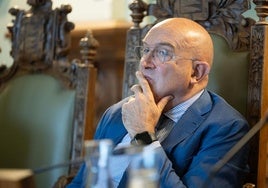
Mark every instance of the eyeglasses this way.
pixel 160 53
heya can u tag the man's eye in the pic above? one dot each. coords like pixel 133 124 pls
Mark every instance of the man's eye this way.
pixel 163 52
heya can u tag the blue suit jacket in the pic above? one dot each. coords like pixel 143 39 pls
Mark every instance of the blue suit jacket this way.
pixel 208 129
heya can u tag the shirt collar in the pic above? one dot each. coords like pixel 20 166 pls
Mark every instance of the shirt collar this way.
pixel 176 112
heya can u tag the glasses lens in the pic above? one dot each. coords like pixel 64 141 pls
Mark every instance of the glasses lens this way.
pixel 163 54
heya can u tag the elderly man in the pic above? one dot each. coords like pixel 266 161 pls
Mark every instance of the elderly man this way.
pixel 197 127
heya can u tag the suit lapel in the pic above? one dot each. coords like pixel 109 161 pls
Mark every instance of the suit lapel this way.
pixel 189 122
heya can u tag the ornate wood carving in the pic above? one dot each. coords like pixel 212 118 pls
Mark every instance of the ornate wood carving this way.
pixel 40 38
pixel 89 47
pixel 223 17
pixel 255 73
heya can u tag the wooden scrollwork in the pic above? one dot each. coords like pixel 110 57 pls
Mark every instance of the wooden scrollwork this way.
pixel 222 17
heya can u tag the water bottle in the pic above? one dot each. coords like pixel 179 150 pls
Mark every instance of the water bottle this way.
pixel 143 171
pixel 97 155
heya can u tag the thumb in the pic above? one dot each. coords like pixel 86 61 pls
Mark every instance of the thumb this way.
pixel 163 102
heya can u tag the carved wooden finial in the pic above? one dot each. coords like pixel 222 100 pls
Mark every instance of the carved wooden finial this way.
pixel 262 10
pixel 89 47
pixel 137 7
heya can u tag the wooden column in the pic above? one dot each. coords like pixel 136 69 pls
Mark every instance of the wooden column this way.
pixel 258 89
pixel 88 51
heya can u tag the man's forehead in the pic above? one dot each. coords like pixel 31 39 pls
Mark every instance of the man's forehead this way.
pixel 160 38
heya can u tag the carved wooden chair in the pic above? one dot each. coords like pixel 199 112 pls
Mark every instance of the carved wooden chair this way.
pixel 240 65
pixel 46 100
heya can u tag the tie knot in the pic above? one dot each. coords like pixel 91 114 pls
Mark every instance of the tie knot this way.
pixel 161 123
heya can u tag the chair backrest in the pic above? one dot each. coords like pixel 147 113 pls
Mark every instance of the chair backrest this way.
pixel 44 97
pixel 240 65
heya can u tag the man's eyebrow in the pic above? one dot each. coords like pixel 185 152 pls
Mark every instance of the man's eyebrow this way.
pixel 162 44
pixel 165 44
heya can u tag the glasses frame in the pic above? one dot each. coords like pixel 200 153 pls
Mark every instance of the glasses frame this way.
pixel 173 57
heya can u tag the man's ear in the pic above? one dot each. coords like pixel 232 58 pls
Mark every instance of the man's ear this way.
pixel 200 71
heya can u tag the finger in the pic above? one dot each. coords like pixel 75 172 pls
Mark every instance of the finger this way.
pixel 143 83
pixel 163 102
pixel 136 89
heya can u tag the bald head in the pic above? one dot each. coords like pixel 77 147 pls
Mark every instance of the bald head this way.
pixel 187 35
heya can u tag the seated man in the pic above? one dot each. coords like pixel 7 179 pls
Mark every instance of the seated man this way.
pixel 176 58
